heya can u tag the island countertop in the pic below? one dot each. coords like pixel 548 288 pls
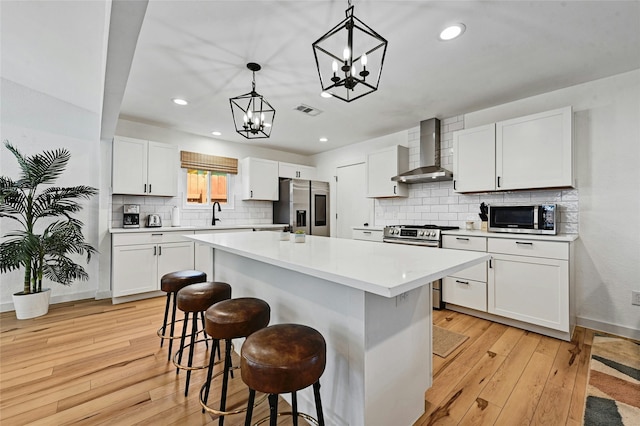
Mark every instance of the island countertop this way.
pixel 384 269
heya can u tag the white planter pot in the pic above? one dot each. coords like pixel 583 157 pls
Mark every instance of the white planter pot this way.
pixel 32 305
pixel 298 238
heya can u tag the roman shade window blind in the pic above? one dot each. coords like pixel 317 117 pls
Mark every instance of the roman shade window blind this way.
pixel 212 163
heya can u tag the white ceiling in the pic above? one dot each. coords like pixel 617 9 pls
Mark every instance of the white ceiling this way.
pixel 198 50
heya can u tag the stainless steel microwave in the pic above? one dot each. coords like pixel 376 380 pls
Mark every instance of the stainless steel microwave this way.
pixel 526 219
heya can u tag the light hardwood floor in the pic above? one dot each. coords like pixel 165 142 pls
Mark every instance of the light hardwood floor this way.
pixel 94 363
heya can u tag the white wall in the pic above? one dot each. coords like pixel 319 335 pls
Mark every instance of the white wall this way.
pixel 607 144
pixel 604 208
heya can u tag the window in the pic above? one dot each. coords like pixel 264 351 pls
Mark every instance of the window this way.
pixel 203 188
pixel 207 179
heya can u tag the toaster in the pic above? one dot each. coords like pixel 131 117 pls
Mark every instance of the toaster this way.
pixel 154 221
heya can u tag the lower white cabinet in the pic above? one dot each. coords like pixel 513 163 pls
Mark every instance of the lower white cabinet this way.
pixel 367 234
pixel 140 260
pixel 529 281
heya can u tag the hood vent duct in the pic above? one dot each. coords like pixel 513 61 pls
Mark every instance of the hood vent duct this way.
pixel 429 170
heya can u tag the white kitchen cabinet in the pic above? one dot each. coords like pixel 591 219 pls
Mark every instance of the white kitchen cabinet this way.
pixel 367 234
pixel 474 159
pixel 529 281
pixel 143 167
pixel 203 257
pixel 381 167
pixel 535 151
pixel 296 171
pixel 140 260
pixel 259 179
pixel 468 287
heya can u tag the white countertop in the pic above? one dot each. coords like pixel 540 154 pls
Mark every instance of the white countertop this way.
pixel 384 269
pixel 478 233
pixel 196 228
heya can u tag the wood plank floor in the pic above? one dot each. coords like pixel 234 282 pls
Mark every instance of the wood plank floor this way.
pixel 94 363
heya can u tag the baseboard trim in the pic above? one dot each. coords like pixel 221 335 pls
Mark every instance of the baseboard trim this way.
pixel 8 306
pixel 618 330
pixel 103 295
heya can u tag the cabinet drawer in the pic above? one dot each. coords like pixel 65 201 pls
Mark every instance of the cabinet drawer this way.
pixel 469 293
pixel 533 248
pixel 373 235
pixel 149 238
pixel 475 273
pixel 464 243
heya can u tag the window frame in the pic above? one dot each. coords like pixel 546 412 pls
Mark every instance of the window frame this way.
pixel 229 205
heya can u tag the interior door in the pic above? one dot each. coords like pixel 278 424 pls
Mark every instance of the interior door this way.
pixel 353 208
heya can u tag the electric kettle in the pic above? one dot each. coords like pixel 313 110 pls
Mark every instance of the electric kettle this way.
pixel 154 221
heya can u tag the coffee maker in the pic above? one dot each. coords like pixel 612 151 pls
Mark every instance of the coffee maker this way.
pixel 131 217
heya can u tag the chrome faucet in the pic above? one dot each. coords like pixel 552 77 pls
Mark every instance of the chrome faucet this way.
pixel 214 219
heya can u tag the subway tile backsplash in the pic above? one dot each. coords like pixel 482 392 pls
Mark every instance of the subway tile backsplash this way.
pixel 436 203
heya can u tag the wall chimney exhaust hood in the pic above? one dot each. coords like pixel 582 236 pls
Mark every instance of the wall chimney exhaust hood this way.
pixel 429 170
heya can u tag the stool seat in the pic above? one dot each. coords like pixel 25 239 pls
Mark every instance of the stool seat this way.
pixel 199 297
pixel 236 318
pixel 174 281
pixel 283 358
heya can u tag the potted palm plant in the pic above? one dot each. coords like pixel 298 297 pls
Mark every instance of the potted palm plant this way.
pixel 46 234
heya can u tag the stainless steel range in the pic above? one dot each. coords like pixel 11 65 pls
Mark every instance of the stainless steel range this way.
pixel 420 235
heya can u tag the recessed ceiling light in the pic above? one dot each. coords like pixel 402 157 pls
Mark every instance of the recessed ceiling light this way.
pixel 179 101
pixel 326 95
pixel 216 133
pixel 452 32
pixel 323 140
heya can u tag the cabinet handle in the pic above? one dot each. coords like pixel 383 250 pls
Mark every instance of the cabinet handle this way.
pixel 251 194
pixel 149 188
pixel 498 181
pixel 394 189
pixel 159 250
pixel 523 243
pixel 145 188
pixel 156 235
pixel 463 282
pixel 154 250
pixel 454 185
pixel 490 264
pixel 462 239
pixel 366 232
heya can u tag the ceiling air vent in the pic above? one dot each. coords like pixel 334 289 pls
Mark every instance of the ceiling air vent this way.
pixel 306 109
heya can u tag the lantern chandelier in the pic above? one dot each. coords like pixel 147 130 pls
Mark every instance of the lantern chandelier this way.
pixel 354 70
pixel 252 114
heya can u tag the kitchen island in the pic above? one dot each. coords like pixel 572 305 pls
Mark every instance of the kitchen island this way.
pixel 371 302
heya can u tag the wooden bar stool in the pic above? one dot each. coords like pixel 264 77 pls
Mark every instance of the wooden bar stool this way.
pixel 280 359
pixel 170 283
pixel 194 299
pixel 227 320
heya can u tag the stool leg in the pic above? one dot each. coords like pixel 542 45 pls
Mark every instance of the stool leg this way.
pixel 209 374
pixel 252 397
pixel 184 335
pixel 294 407
pixel 164 322
pixel 225 379
pixel 273 409
pixel 192 349
pixel 206 339
pixel 173 324
pixel 316 392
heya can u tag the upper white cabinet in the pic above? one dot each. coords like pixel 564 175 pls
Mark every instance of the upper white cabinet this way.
pixel 259 179
pixel 143 167
pixel 474 159
pixel 529 152
pixel 381 167
pixel 296 171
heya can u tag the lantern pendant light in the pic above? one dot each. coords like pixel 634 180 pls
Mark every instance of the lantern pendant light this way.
pixel 347 56
pixel 252 115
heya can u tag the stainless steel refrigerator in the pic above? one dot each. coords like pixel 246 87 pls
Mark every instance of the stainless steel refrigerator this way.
pixel 304 205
